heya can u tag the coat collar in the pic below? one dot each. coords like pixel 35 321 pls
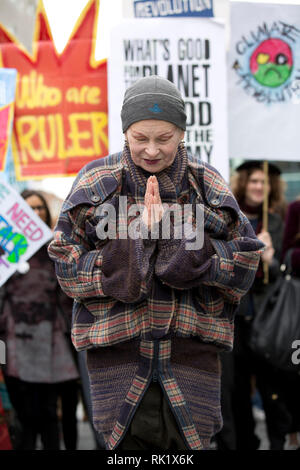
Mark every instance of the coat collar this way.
pixel 101 178
pixel 95 182
pixel 210 186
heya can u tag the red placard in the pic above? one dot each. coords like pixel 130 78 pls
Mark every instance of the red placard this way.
pixel 61 120
pixel 5 442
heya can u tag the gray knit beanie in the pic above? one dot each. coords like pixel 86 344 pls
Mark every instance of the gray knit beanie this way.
pixel 153 97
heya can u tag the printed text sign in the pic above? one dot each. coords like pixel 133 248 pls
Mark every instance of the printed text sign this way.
pixel 175 8
pixel 189 52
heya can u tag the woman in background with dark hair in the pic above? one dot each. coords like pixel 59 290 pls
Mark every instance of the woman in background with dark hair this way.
pixel 241 366
pixel 243 182
pixel 39 357
pixel 38 204
pixel 291 383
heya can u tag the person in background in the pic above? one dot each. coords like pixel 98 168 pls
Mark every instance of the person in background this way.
pixel 68 390
pixel 291 237
pixel 243 365
pixel 5 416
pixel 153 312
pixel 39 357
pixel 291 380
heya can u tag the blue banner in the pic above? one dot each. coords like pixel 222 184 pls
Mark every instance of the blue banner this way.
pixel 7 85
pixel 8 79
pixel 7 97
pixel 172 8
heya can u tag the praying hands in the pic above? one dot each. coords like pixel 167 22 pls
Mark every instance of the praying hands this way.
pixel 153 211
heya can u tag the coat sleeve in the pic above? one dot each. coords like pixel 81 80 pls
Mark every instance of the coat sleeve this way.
pixel 121 269
pixel 228 258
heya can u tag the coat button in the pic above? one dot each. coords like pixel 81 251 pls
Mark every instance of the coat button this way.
pixel 95 198
pixel 215 202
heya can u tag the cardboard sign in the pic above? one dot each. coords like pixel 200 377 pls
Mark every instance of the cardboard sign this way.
pixel 22 232
pixel 190 53
pixel 61 99
pixel 264 81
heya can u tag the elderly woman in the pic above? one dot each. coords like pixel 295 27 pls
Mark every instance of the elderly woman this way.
pixel 153 311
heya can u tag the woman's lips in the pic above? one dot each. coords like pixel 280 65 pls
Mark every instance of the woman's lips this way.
pixel 151 162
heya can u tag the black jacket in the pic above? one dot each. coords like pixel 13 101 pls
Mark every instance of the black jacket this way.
pixel 259 289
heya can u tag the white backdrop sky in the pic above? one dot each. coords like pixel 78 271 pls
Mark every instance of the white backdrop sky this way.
pixel 63 14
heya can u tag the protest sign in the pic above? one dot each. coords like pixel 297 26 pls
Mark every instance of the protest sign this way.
pixel 22 232
pixel 264 81
pixel 189 52
pixel 7 98
pixel 61 99
pixel 175 8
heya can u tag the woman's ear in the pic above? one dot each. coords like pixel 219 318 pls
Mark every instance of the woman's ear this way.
pixel 125 138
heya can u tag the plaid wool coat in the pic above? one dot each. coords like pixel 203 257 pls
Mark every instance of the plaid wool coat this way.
pixel 149 309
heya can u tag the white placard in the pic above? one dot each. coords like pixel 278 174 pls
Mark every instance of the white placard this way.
pixel 22 232
pixel 191 53
pixel 264 81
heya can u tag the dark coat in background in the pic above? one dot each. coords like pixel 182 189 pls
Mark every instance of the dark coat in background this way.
pixel 34 325
pixel 151 310
pixel 259 289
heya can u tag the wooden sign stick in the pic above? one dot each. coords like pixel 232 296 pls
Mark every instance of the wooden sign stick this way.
pixel 265 215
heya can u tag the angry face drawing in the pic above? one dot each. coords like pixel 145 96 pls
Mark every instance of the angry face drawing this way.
pixel 272 62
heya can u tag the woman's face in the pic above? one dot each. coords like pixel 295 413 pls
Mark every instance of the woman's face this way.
pixel 255 188
pixel 153 144
pixel 38 206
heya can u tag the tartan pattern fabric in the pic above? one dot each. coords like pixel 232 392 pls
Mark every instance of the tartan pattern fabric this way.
pixel 202 391
pixel 169 179
pixel 128 291
pixel 192 388
pixel 160 295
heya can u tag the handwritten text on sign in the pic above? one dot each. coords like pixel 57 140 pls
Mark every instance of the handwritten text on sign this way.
pixel 22 232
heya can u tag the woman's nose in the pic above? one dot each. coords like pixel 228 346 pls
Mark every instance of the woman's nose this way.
pixel 152 149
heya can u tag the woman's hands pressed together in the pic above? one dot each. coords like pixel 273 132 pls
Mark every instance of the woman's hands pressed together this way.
pixel 154 210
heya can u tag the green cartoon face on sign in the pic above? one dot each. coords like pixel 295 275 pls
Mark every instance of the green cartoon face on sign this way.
pixel 15 244
pixel 272 62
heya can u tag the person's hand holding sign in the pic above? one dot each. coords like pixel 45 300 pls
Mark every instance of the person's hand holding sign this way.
pixel 153 211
